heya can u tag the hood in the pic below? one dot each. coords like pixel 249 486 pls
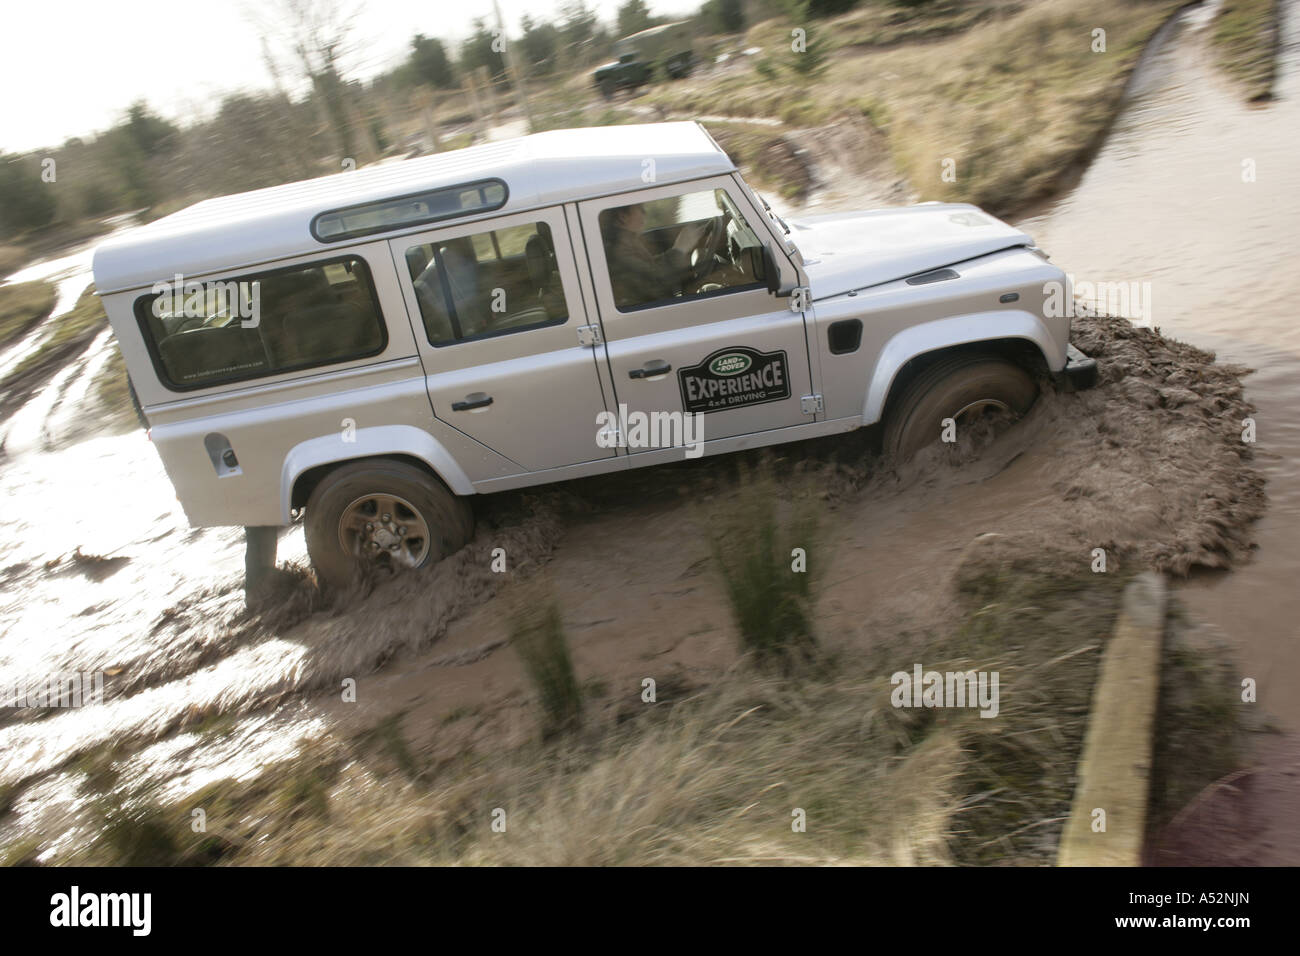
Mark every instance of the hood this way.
pixel 858 249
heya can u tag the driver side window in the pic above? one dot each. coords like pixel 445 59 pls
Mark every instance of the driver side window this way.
pixel 677 248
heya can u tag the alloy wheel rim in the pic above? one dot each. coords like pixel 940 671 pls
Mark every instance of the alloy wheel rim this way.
pixel 980 404
pixel 385 528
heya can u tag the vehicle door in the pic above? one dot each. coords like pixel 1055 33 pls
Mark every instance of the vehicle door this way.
pixel 688 324
pixel 496 310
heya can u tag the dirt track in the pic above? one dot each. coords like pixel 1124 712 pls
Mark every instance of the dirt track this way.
pixel 1148 466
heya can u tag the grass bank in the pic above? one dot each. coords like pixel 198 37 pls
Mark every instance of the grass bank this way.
pixel 22 307
pixel 994 103
pixel 67 337
pixel 1246 38
pixel 67 334
pixel 112 397
pixel 813 766
pixel 12 258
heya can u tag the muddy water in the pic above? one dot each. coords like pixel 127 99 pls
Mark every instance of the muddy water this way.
pixel 1165 202
pixel 101 573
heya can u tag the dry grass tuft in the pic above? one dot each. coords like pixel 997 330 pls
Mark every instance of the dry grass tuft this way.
pixel 1247 37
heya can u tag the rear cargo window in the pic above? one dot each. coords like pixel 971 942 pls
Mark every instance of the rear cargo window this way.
pixel 207 332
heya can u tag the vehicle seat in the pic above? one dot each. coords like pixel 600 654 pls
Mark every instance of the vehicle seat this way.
pixel 540 256
pixel 460 266
pixel 214 352
pixel 417 260
pixel 433 304
pixel 283 295
pixel 322 331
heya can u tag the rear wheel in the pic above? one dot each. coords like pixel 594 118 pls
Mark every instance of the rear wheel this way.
pixel 963 388
pixel 384 513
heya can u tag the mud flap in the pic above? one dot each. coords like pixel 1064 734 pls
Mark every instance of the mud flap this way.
pixel 1080 371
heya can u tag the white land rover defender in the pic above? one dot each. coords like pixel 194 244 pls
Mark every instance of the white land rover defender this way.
pixel 370 349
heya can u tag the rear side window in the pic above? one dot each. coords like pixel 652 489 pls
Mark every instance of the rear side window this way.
pixel 207 332
pixel 492 282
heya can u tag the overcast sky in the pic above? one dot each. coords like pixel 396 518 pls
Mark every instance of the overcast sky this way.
pixel 71 67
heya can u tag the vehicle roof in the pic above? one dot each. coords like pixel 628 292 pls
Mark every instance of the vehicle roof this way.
pixel 543 169
pixel 654 31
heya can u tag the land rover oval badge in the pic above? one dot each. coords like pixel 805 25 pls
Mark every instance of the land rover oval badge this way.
pixel 732 363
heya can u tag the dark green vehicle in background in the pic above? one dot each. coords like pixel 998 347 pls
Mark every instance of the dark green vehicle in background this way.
pixel 665 48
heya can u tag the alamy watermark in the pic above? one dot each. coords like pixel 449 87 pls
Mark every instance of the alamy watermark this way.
pixel 191 299
pixel 948 689
pixel 637 429
pixel 129 910
pixel 77 689
pixel 1129 300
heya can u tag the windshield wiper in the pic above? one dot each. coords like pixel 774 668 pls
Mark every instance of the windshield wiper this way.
pixel 768 207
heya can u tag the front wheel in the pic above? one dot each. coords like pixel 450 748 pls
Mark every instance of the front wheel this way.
pixel 384 513
pixel 964 389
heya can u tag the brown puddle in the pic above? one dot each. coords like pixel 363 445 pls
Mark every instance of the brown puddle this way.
pixel 1164 202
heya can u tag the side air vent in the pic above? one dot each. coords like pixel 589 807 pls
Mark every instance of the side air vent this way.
pixel 844 336
pixel 938 275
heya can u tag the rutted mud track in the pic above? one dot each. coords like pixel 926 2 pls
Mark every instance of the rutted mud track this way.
pixel 1149 466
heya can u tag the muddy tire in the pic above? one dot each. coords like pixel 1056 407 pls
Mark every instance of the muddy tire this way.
pixel 383 513
pixel 956 388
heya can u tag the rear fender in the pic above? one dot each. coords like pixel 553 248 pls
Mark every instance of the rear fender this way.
pixel 383 440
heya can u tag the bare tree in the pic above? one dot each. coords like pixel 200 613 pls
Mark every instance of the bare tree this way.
pixel 316 35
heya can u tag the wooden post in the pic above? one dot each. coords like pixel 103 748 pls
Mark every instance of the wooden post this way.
pixel 1114 774
pixel 259 557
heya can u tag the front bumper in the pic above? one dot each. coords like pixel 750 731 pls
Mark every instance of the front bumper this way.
pixel 1080 371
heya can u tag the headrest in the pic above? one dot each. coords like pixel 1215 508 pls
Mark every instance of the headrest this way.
pixel 537 253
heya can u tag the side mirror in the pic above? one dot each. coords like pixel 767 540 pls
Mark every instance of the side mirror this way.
pixel 764 267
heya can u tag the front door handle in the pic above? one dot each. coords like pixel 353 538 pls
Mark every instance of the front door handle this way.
pixel 651 369
pixel 472 401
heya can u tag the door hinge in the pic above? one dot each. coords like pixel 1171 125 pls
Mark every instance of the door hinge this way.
pixel 589 336
pixel 812 404
pixel 800 296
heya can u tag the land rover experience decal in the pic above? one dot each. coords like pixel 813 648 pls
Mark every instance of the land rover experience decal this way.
pixel 733 378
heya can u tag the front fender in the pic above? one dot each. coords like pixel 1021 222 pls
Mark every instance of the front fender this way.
pixel 957 330
pixel 369 443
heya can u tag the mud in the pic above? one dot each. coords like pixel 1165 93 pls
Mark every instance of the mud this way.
pixel 1195 498
pixel 1149 466
pixel 63 362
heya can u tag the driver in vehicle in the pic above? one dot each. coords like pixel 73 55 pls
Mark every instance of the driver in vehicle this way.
pixel 638 273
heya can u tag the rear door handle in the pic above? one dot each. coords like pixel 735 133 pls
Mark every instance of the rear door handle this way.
pixel 472 401
pixel 651 369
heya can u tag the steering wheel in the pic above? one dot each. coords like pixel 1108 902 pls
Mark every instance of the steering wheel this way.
pixel 703 259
